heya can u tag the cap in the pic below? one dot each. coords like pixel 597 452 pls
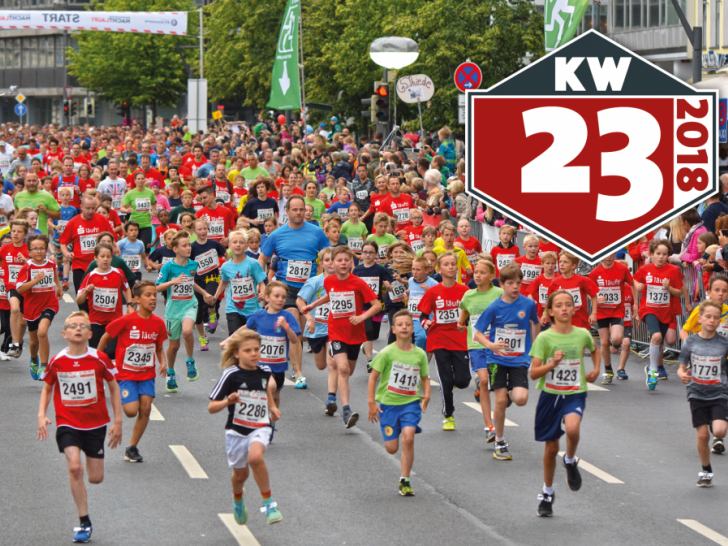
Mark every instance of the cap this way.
pixel 322 125
pixel 334 118
pixel 2 144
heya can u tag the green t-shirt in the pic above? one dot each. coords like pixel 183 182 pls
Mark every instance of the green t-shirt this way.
pixel 383 243
pixel 144 201
pixel 176 211
pixel 251 174
pixel 401 366
pixel 319 207
pixel 328 191
pixel 25 199
pixel 568 377
pixel 475 303
pixel 351 230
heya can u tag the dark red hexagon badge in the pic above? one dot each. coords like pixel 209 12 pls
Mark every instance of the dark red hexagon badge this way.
pixel 592 146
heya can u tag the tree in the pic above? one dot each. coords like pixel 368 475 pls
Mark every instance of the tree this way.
pixel 139 69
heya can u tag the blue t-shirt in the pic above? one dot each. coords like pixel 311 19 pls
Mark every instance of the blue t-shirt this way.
pixel 515 318
pixel 303 244
pixel 336 206
pixel 8 187
pixel 312 291
pixel 415 294
pixel 247 268
pixel 162 255
pixel 180 298
pixel 128 248
pixel 274 337
pixel 66 214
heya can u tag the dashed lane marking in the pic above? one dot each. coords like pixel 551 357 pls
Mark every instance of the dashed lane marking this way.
pixel 68 298
pixel 288 383
pixel 707 532
pixel 189 463
pixel 241 532
pixel 477 407
pixel 595 471
pixel 593 387
pixel 155 415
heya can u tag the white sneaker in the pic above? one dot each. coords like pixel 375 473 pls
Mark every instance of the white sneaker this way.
pixel 3 356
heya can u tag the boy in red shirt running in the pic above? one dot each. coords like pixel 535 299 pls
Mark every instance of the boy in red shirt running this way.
pixel 505 252
pixel 471 245
pixel 530 264
pixel 75 378
pixel 13 256
pixel 538 291
pixel 347 294
pixel 580 289
pixel 141 336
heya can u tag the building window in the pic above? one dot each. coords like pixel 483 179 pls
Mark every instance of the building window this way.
pixel 619 18
pixel 654 13
pixel 2 53
pixel 12 50
pixel 672 18
pixel 636 13
pixel 60 53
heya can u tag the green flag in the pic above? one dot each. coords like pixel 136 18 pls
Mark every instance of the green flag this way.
pixel 561 18
pixel 284 88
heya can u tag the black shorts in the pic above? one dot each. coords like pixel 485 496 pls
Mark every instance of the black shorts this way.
pixel 609 322
pixel 291 297
pixel 507 377
pixel 91 442
pixel 706 411
pixel 235 322
pixel 280 378
pixel 318 343
pixel 339 347
pixel 372 328
pixel 33 325
pixel 13 293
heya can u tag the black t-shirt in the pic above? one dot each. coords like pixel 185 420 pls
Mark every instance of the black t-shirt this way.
pixel 255 382
pixel 375 271
pixel 160 253
pixel 251 208
pixel 175 201
pixel 199 249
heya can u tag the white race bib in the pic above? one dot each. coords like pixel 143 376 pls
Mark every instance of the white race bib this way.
pixel 3 291
pixel 242 289
pixel 356 244
pixel 530 272
pixel 272 349
pixel 78 388
pixel 252 412
pixel 447 316
pixel 543 295
pixel 263 214
pixel 88 243
pixel 382 252
pixel 413 304
pixel 322 314
pixel 138 357
pixel 183 291
pixel 216 228
pixel 13 271
pixel 116 203
pixel 105 299
pixel 417 245
pixel 404 379
pixel 612 295
pixel 223 195
pixel 142 205
pixel 373 283
pixel 397 292
pixel 207 261
pixel 402 216
pixel 657 296
pixel 565 377
pixel 46 284
pixel 705 370
pixel 473 321
pixel 133 262
pixel 576 294
pixel 514 339
pixel 298 271
pixel 342 304
pixel 504 259
pixel 60 226
pixel 627 312
pixel 362 194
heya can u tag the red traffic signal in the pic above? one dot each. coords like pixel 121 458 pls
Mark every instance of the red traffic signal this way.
pixel 382 90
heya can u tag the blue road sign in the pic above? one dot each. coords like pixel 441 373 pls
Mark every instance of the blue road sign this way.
pixel 21 109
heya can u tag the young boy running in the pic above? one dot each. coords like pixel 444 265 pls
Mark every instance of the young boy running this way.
pixel 177 278
pixel 538 290
pixel 703 369
pixel 67 213
pixel 139 338
pixel 530 263
pixel 132 249
pixel 207 253
pixel 580 289
pixel 246 390
pixel 75 379
pixel 624 349
pixel 504 252
pixel 513 323
pixel 557 361
pixel 397 403
pixel 417 285
pixel 354 229
pixel 381 236
pixel 13 256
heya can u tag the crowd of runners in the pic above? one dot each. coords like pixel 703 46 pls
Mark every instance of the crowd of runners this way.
pixel 295 240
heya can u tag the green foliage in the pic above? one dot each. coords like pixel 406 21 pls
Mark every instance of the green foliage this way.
pixel 141 69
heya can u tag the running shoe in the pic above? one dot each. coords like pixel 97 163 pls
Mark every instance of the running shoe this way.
pixel 3 356
pixel 662 372
pixel 34 364
pixel 15 351
pixel 607 378
pixel 718 446
pixel 501 451
pixel 239 510
pixel 350 418
pixel 272 431
pixel 449 423
pixel 301 382
pixel 476 389
pixel 545 509
pixel 369 365
pixel 270 508
pixel 171 381
pixel 41 371
pixel 651 380
pixel 705 479
pixel 132 455
pixel 331 406
pixel 66 288
pixel 621 374
pixel 489 435
pixel 405 489
pixel 204 344
pixel 573 477
pixel 212 325
pixel 83 533
pixel 192 373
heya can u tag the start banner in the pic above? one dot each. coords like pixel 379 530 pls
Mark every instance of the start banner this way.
pixel 160 22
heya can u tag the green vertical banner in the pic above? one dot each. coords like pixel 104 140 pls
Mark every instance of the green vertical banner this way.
pixel 285 88
pixel 561 19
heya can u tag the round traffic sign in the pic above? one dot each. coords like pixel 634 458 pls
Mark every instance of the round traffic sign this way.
pixel 468 76
pixel 20 109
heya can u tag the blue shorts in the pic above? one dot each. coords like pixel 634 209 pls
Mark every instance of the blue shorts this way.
pixel 394 418
pixel 478 360
pixel 551 410
pixel 132 390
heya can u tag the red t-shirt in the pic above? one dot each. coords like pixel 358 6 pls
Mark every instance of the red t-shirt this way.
pixel 347 300
pixel 136 345
pixel 539 292
pixel 548 247
pixel 78 396
pixel 11 265
pixel 580 288
pixel 69 182
pixel 375 205
pixel 414 237
pixel 472 248
pixel 43 295
pixel 78 161
pixel 189 162
pixel 82 233
pixel 628 301
pixel 221 221
pixel 611 283
pixel 530 269
pixel 656 300
pixel 49 157
pixel 160 230
pixel 104 301
pixel 297 191
pixel 238 194
pixel 503 256
pixel 151 175
pixel 398 209
pixel 444 305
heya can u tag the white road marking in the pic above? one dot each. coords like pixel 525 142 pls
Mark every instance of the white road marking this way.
pixel 707 532
pixel 288 383
pixel 155 415
pixel 68 298
pixel 434 383
pixel 593 387
pixel 241 532
pixel 189 463
pixel 477 407
pixel 595 471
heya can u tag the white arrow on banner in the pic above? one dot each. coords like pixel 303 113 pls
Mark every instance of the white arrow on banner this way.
pixel 284 80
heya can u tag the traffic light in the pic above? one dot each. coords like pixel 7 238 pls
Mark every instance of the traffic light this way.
pixel 66 108
pixel 367 104
pixel 90 106
pixel 381 93
pixel 74 110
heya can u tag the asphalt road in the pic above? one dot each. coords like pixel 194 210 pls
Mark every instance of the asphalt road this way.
pixel 337 487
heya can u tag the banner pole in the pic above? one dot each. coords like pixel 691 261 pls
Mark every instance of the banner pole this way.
pixel 201 45
pixel 303 77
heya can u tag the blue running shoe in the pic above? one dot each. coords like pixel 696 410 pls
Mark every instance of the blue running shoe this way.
pixel 651 378
pixel 301 382
pixel 662 372
pixel 239 510
pixel 34 364
pixel 171 381
pixel 621 374
pixel 331 406
pixel 192 373
pixel 270 508
pixel 83 533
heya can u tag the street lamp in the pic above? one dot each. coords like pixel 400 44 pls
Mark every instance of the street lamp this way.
pixel 394 52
